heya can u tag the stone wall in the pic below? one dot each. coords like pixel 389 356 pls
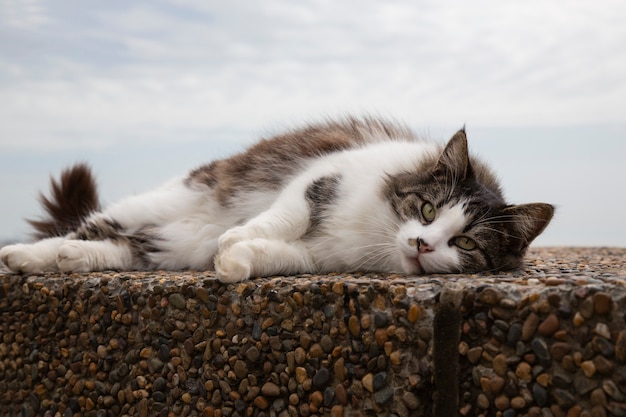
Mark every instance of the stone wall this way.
pixel 549 340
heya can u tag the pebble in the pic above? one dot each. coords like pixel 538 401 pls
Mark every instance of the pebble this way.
pixel 341 394
pixel 270 389
pixel 578 319
pixel 482 401
pixel 316 351
pixel 300 355
pixel 339 369
pixel 301 374
pixel 380 319
pixel 605 366
pixel 583 385
pixel 253 354
pixel 474 354
pixel 241 369
pixel 561 378
pixel 602 330
pixel 529 327
pixel 368 382
pixel 261 402
pixel 177 301
pixel 502 402
pixel 514 334
pixel 354 326
pixel 383 396
pixel 602 346
pixel 489 296
pixel 495 384
pixel 329 396
pixel 602 303
pixel 508 303
pixel 549 325
pixel 321 377
pixel 589 368
pixel 586 308
pixel 336 411
pixel 620 346
pixel 563 398
pixel 499 364
pixel 410 400
pixel 611 390
pixel 540 395
pixel 395 357
pixel 559 349
pixel 102 352
pixel 317 398
pixel 598 397
pixel 380 380
pixel 554 281
pixel 518 402
pixel 523 371
pixel 413 313
pixel 540 347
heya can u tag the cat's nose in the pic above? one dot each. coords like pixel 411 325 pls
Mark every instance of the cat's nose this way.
pixel 421 245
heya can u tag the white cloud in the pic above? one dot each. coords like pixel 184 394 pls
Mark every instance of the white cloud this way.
pixel 23 14
pixel 164 66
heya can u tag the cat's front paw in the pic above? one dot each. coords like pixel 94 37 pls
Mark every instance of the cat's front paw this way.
pixel 22 258
pixel 234 263
pixel 233 236
pixel 72 257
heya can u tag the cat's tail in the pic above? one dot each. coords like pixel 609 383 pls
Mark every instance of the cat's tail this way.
pixel 73 197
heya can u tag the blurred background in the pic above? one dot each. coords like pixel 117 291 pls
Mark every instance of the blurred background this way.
pixel 146 90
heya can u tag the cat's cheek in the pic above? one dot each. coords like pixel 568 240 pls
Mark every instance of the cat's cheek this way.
pixel 408 232
pixel 444 260
pixel 408 256
pixel 411 265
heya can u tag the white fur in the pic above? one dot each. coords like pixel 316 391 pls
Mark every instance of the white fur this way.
pixel 360 228
pixel 37 257
pixel 449 223
pixel 92 255
pixel 265 232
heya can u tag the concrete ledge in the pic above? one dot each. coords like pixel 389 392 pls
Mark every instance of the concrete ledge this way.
pixel 549 340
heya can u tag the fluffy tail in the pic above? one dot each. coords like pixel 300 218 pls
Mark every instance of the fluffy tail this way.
pixel 72 198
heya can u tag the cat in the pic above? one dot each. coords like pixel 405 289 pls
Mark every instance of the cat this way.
pixel 355 194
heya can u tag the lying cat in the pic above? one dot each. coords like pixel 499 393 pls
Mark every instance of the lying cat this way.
pixel 357 194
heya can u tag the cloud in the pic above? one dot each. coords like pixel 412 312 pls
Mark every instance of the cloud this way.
pixel 117 70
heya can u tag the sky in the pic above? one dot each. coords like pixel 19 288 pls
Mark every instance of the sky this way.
pixel 146 90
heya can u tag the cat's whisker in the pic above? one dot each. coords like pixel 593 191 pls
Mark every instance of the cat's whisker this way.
pixel 377 255
pixel 503 233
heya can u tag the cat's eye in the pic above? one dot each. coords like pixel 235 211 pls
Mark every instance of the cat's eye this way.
pixel 464 243
pixel 428 212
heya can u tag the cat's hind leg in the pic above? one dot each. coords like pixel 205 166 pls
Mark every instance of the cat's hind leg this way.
pixel 32 258
pixel 262 257
pixel 67 255
pixel 185 244
pixel 93 255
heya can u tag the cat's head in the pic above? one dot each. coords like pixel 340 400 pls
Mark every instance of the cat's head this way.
pixel 454 218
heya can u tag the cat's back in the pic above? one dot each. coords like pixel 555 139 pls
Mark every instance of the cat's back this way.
pixel 268 164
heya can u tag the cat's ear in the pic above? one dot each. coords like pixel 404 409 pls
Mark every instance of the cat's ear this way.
pixel 531 219
pixel 455 157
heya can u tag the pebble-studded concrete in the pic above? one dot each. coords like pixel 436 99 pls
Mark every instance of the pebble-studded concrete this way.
pixel 547 340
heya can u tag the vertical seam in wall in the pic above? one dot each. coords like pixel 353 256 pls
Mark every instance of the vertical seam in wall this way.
pixel 446 338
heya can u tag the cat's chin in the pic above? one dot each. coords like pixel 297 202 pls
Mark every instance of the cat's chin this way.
pixel 412 265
